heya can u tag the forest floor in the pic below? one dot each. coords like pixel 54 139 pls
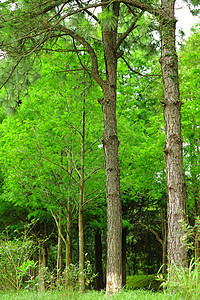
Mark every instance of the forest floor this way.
pixel 89 295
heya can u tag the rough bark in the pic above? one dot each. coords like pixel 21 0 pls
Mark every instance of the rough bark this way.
pixel 111 144
pixel 173 143
pixel 99 284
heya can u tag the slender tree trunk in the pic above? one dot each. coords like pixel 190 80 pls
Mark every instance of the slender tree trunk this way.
pixel 98 262
pixel 176 188
pixel 124 247
pixel 69 230
pixel 69 235
pixel 164 244
pixel 81 202
pixel 111 144
pixel 59 253
pixel 68 241
pixel 42 264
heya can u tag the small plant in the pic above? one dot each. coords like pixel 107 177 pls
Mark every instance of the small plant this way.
pixel 184 281
pixel 72 274
pixel 48 277
pixel 14 259
pixel 191 235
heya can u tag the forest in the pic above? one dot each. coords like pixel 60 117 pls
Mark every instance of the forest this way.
pixel 99 150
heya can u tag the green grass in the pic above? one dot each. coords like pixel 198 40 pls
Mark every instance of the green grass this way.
pixel 149 282
pixel 89 295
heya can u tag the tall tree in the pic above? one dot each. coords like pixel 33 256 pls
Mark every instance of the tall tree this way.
pixel 176 187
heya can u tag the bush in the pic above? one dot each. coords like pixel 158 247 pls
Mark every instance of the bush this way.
pixel 13 256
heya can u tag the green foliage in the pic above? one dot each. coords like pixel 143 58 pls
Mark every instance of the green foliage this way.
pixel 72 275
pixel 14 261
pixel 190 96
pixel 191 234
pixel 108 20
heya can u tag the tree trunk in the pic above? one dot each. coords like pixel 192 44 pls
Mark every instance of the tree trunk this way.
pixel 164 244
pixel 124 246
pixel 111 144
pixel 59 253
pixel 81 202
pixel 69 236
pixel 42 264
pixel 99 284
pixel 173 143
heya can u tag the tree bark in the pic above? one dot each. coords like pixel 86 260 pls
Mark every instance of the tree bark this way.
pixel 176 188
pixel 111 144
pixel 99 284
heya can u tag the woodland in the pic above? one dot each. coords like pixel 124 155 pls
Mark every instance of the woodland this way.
pixel 99 147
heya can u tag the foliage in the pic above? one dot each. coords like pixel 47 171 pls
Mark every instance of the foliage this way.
pixel 14 260
pixel 71 274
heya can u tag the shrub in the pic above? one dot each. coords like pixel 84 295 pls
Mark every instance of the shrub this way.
pixel 13 257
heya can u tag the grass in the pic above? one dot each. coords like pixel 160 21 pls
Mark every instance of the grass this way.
pixel 89 295
pixel 147 282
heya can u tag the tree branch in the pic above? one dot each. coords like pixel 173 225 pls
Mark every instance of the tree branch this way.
pixel 56 221
pixel 94 171
pixel 136 72
pixel 143 6
pixel 153 231
pixel 132 26
pixel 11 73
pixel 93 57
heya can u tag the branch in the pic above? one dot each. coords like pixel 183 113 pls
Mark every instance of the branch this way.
pixel 136 72
pixel 56 221
pixel 143 6
pixel 52 162
pixel 94 171
pixel 88 12
pixel 91 145
pixel 93 57
pixel 132 26
pixel 83 9
pixel 13 69
pixel 153 231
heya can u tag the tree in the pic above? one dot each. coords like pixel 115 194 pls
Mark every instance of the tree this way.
pixel 176 188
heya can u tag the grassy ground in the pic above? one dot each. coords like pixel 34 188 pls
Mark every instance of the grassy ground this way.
pixel 90 295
